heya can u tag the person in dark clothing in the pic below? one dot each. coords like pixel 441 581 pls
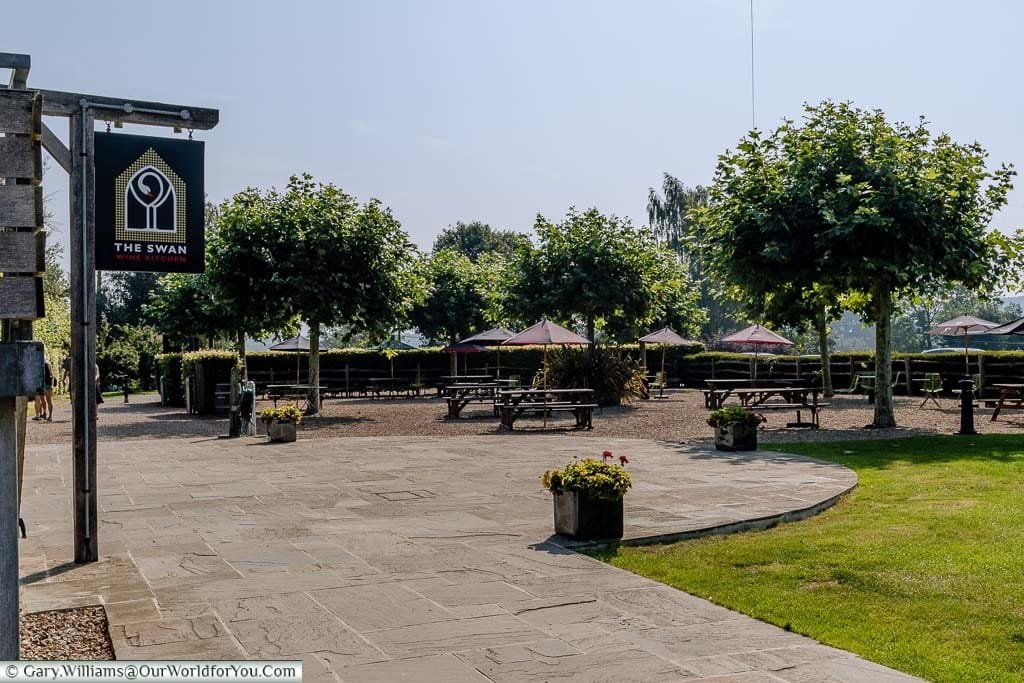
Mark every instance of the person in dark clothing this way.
pixel 44 395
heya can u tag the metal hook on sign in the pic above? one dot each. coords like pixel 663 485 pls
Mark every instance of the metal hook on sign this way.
pixel 189 133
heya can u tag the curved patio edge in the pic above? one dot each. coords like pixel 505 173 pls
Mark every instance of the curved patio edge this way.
pixel 758 523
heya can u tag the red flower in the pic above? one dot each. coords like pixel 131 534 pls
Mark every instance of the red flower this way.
pixel 623 459
pixel 606 455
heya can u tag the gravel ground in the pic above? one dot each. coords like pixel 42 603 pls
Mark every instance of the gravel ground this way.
pixel 680 417
pixel 79 633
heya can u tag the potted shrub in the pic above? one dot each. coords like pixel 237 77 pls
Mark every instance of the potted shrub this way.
pixel 588 498
pixel 735 428
pixel 281 422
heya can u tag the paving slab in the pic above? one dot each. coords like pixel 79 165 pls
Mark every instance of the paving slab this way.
pixel 409 558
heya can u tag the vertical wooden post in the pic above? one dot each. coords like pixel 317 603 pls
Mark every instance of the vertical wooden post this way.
pixel 83 334
pixel 8 532
pixel 235 419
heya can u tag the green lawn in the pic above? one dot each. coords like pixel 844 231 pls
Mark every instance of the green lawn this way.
pixel 920 568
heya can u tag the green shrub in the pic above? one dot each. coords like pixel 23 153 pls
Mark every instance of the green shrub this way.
pixel 734 415
pixel 169 370
pixel 612 374
pixel 591 477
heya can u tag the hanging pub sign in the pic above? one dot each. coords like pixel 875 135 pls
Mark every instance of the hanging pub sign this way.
pixel 149 204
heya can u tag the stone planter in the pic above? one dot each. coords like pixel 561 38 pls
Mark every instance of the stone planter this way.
pixel 281 431
pixel 736 437
pixel 582 517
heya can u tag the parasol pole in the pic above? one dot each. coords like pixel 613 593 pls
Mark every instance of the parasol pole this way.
pixel 499 362
pixel 545 385
pixel 664 378
pixel 967 358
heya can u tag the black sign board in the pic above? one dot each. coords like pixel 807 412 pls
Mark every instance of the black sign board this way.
pixel 149 204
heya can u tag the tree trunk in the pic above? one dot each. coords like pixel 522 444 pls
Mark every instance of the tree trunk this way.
pixel 313 396
pixel 821 324
pixel 590 328
pixel 884 415
pixel 240 350
pixel 455 357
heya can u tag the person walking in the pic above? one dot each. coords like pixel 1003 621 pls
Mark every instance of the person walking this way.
pixel 44 395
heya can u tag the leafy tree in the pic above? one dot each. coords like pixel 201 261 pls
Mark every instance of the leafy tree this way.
pixel 597 270
pixel 246 294
pixel 853 204
pixel 314 253
pixel 123 295
pixel 671 217
pixel 54 330
pixel 117 358
pixel 909 329
pixel 476 238
pixel 453 307
pixel 184 310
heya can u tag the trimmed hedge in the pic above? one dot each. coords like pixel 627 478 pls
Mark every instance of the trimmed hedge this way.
pixel 206 369
pixel 353 368
pixel 168 370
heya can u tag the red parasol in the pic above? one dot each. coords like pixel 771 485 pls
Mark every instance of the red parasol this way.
pixel 756 336
pixel 961 326
pixel 544 333
pixel 297 345
pixel 666 337
pixel 492 337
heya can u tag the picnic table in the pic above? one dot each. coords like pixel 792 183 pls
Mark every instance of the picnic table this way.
pixel 461 379
pixel 797 399
pixel 293 392
pixel 394 385
pixel 460 395
pixel 515 402
pixel 1010 396
pixel 720 389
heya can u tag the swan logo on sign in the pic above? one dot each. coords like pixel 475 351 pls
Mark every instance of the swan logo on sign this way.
pixel 149 204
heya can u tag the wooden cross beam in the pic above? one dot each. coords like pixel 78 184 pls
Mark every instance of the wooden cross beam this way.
pixel 83 110
pixel 120 110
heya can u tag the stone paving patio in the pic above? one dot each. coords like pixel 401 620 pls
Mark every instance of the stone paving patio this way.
pixel 376 559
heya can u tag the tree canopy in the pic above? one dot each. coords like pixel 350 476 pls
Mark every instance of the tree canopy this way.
pixel 601 272
pixel 847 203
pixel 475 239
pixel 671 216
pixel 314 253
pixel 454 306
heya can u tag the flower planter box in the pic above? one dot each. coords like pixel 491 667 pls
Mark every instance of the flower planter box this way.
pixel 736 437
pixel 281 431
pixel 585 518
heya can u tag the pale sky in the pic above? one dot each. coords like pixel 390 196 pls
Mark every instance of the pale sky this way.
pixel 480 110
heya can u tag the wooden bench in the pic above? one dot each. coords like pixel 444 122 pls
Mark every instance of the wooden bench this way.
pixel 584 412
pixel 713 398
pixel 798 407
pixel 456 404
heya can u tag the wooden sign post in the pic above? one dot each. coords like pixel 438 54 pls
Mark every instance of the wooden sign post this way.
pixel 21 363
pixel 83 111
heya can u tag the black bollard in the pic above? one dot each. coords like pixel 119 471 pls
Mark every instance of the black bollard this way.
pixel 126 391
pixel 967 407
